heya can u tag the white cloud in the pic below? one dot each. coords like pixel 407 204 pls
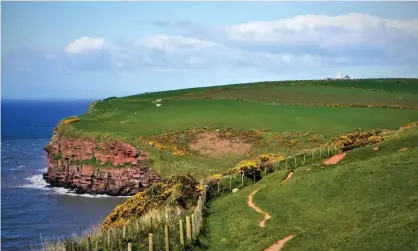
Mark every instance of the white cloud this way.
pixel 342 29
pixel 84 44
pixel 296 44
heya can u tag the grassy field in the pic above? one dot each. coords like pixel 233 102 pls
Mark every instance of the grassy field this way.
pixel 260 106
pixel 367 202
pixel 120 118
pixel 389 85
pixel 316 94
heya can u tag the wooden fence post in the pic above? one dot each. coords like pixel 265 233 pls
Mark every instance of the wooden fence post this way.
pixel 124 232
pixel 108 237
pixel 130 246
pixel 181 233
pixel 242 179
pixel 196 223
pixel 218 186
pixel 295 162
pixel 88 243
pixel 328 150
pixel 167 246
pixel 193 225
pixel 188 229
pixel 304 159
pixel 150 243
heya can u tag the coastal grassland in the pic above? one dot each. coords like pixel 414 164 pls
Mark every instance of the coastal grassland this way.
pixel 267 107
pixel 134 119
pixel 129 119
pixel 367 202
pixel 388 85
pixel 315 95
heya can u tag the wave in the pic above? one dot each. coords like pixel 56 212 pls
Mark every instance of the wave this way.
pixel 37 182
pixel 17 168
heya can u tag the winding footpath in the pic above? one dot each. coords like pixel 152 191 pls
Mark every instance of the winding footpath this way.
pixel 279 244
pixel 335 159
pixel 252 205
pixel 289 176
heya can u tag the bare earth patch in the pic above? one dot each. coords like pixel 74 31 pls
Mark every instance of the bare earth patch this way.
pixel 289 176
pixel 279 244
pixel 335 159
pixel 210 144
pixel 252 205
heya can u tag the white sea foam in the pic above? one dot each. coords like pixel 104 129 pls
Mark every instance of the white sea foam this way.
pixel 18 167
pixel 37 182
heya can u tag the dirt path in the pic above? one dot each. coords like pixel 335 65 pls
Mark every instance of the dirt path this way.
pixel 335 159
pixel 279 244
pixel 289 176
pixel 252 205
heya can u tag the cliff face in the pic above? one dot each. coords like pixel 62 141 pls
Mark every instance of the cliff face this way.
pixel 88 166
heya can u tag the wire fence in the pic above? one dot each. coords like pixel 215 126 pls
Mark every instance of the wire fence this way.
pixel 170 229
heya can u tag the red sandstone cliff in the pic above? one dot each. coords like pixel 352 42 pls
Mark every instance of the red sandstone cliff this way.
pixel 88 166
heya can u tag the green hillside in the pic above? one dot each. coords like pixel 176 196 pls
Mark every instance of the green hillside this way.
pixel 367 202
pixel 254 134
pixel 323 109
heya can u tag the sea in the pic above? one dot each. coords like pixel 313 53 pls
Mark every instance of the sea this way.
pixel 32 212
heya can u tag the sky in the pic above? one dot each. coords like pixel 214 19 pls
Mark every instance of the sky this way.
pixel 94 50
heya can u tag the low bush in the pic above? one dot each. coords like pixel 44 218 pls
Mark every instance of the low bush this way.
pixel 179 191
pixel 70 120
pixel 358 139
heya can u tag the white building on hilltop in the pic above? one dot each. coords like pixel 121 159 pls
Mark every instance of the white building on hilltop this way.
pixel 338 76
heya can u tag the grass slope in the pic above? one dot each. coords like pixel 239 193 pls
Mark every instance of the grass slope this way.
pixel 368 202
pixel 183 114
pixel 223 107
pixel 316 94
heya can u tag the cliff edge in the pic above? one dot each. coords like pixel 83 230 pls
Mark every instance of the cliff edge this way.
pixel 109 167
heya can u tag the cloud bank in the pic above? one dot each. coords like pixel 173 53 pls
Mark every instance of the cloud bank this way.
pixel 84 44
pixel 302 43
pixel 306 41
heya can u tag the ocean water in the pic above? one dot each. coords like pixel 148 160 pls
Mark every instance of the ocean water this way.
pixel 31 212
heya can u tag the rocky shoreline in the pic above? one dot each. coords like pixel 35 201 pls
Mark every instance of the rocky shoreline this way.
pixel 113 167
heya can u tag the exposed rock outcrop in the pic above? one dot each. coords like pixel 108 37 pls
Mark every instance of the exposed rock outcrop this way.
pixel 88 166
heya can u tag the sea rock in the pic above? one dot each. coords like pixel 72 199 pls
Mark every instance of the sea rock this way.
pixel 84 165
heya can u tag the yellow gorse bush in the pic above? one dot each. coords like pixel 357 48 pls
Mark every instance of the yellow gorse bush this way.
pixel 177 191
pixel 409 125
pixel 270 157
pixel 357 139
pixel 71 120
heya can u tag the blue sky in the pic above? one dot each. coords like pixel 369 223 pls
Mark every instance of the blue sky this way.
pixel 68 50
